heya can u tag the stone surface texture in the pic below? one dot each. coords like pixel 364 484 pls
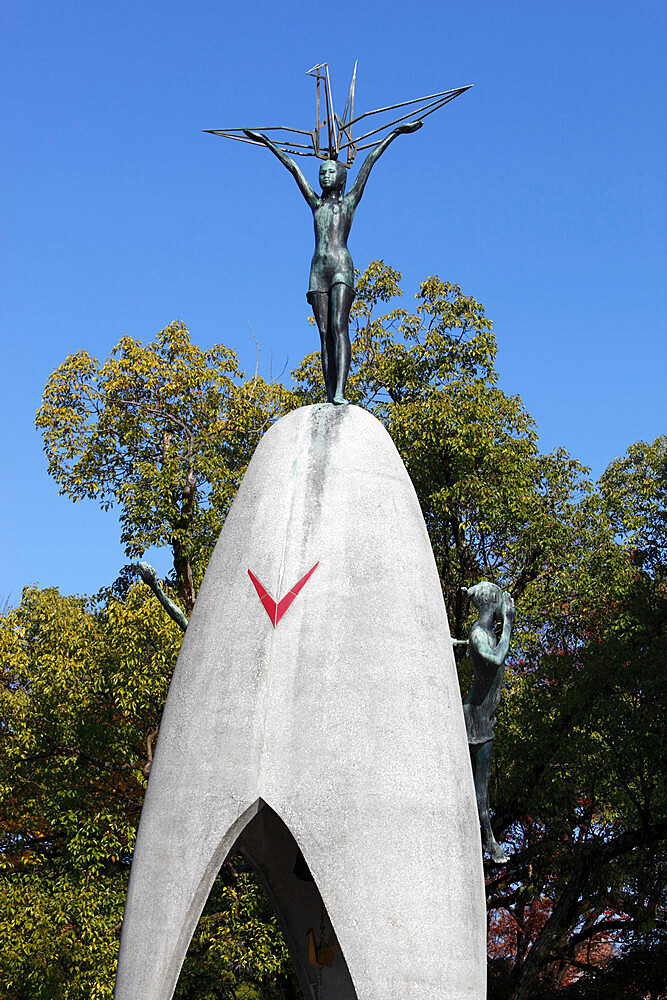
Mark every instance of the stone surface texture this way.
pixel 340 730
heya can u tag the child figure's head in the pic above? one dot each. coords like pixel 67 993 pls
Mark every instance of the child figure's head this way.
pixel 333 175
pixel 485 596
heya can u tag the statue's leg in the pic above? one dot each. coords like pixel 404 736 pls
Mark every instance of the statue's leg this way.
pixel 341 302
pixel 481 755
pixel 480 792
pixel 320 303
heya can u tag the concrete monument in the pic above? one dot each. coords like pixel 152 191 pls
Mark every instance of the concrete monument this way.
pixel 309 724
pixel 310 720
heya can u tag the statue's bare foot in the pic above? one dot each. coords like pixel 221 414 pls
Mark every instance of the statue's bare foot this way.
pixel 496 852
pixel 340 400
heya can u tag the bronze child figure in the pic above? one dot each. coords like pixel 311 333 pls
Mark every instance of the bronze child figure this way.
pixel 487 654
pixel 331 288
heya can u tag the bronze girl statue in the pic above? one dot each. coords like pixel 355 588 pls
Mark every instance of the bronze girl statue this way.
pixel 487 654
pixel 331 288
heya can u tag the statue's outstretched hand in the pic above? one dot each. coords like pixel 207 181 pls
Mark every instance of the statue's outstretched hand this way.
pixel 256 136
pixel 408 127
pixel 509 611
pixel 147 573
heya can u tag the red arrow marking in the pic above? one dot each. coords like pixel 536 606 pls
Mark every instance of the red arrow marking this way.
pixel 273 610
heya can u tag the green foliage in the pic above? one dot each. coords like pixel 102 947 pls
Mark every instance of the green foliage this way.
pixel 634 489
pixel 581 743
pixel 494 506
pixel 238 949
pixel 165 432
pixel 401 357
pixel 58 938
pixel 82 687
pixel 81 692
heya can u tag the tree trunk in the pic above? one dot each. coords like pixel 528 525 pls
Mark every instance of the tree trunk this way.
pixel 186 583
pixel 182 565
pixel 562 914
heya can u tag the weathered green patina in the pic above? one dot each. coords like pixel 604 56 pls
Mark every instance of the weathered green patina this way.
pixel 149 576
pixel 487 654
pixel 331 287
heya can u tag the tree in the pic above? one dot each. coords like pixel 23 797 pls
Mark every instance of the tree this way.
pixel 82 686
pixel 494 506
pixel 163 431
pixel 580 740
pixel 582 750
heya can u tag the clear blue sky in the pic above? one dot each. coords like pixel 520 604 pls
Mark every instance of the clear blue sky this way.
pixel 541 192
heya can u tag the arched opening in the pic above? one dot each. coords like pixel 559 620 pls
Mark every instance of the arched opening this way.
pixel 272 855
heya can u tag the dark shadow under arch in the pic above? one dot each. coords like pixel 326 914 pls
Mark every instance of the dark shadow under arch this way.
pixel 270 848
pixel 266 843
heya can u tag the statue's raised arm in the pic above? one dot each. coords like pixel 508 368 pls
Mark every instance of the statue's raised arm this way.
pixel 149 576
pixel 358 187
pixel 287 161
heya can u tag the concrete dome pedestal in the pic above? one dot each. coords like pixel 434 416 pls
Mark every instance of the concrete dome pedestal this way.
pixel 338 731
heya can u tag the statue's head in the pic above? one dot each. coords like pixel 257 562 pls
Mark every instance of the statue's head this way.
pixel 333 175
pixel 485 596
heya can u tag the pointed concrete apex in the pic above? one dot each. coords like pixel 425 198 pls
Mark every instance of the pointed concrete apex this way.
pixel 340 730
